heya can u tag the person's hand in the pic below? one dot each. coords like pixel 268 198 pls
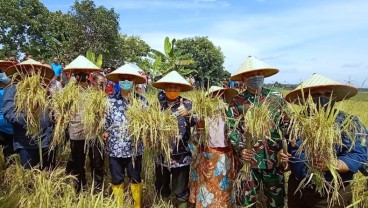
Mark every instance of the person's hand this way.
pixel 105 135
pixel 284 158
pixel 320 165
pixel 247 155
pixel 182 110
pixel 200 124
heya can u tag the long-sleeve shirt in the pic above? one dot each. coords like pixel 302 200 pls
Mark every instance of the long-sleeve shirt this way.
pixel 265 156
pixel 120 144
pixel 354 158
pixel 180 154
pixel 21 141
pixel 4 125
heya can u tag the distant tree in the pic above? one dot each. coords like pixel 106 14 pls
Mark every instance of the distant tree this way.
pixel 207 59
pixel 133 49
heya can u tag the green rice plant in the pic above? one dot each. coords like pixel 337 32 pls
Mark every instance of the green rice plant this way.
pixel 318 130
pixel 93 117
pixel 31 101
pixel 65 104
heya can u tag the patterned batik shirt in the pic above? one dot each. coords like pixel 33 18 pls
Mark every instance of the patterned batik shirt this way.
pixel 120 144
pixel 180 154
pixel 266 150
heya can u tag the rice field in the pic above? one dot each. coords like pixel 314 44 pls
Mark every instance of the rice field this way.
pixel 34 188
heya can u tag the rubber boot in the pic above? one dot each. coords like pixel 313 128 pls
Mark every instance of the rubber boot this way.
pixel 181 204
pixel 118 191
pixel 137 189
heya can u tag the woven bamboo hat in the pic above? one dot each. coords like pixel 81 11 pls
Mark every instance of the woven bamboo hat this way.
pixel 252 65
pixel 81 64
pixel 28 66
pixel 216 90
pixel 317 82
pixel 129 72
pixel 5 64
pixel 173 78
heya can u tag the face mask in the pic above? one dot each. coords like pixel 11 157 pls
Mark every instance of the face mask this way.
pixel 126 85
pixel 3 78
pixel 172 95
pixel 256 82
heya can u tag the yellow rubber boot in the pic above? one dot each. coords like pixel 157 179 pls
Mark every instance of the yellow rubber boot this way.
pixel 137 190
pixel 118 191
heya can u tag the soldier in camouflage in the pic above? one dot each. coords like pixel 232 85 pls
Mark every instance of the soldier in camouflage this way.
pixel 265 168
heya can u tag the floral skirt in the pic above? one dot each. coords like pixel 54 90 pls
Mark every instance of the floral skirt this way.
pixel 212 178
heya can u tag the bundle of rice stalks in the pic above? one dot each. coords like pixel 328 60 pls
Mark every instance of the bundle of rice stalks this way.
pixel 31 99
pixel 93 117
pixel 360 191
pixel 157 128
pixel 64 105
pixel 258 124
pixel 207 109
pixel 318 130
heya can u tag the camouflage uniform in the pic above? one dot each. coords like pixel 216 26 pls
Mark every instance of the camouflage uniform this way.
pixel 265 167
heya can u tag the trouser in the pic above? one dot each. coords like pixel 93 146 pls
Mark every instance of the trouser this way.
pixel 179 184
pixel 118 166
pixel 30 158
pixel 273 188
pixel 7 143
pixel 309 198
pixel 76 163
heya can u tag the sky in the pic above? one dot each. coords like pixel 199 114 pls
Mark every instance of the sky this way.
pixel 297 37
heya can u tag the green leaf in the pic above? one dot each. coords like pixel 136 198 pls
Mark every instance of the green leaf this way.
pixel 167 47
pixel 99 61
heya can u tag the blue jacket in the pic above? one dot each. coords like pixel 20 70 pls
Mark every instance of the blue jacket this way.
pixel 57 69
pixel 4 126
pixel 354 158
pixel 21 141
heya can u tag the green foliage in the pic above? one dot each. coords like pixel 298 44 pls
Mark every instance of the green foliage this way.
pixel 207 59
pixel 171 60
pixel 92 57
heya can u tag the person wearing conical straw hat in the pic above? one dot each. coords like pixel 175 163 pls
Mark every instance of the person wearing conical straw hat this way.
pixel 173 84
pixel 81 67
pixel 213 170
pixel 6 129
pixel 28 147
pixel 262 157
pixel 319 94
pixel 120 145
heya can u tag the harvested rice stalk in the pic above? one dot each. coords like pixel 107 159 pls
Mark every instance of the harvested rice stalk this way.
pixel 207 108
pixel 258 123
pixel 318 130
pixel 65 104
pixel 157 128
pixel 31 99
pixel 93 118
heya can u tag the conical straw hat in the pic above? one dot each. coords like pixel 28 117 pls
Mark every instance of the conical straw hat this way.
pixel 27 66
pixel 251 65
pixel 127 72
pixel 5 64
pixel 229 92
pixel 82 64
pixel 317 82
pixel 173 78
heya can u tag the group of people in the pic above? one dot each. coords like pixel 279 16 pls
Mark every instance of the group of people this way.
pixel 201 175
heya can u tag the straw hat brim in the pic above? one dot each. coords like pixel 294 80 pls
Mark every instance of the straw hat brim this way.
pixel 267 72
pixel 229 93
pixel 5 64
pixel 183 87
pixel 44 70
pixel 116 77
pixel 340 92
pixel 79 70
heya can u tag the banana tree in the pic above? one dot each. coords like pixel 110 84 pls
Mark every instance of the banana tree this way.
pixel 92 57
pixel 170 60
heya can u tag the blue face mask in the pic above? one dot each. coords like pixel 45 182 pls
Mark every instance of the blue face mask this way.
pixel 126 85
pixel 3 78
